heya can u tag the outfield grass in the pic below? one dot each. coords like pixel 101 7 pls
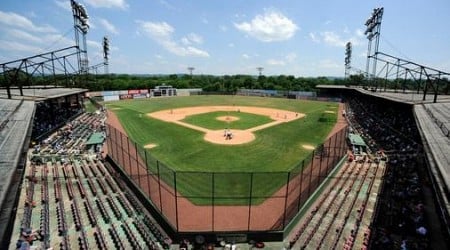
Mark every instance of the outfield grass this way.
pixel 275 151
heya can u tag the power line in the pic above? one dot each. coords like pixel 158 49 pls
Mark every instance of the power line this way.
pixel 395 48
pixel 56 41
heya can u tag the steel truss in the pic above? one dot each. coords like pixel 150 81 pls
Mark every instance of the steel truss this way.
pixel 50 68
pixel 425 79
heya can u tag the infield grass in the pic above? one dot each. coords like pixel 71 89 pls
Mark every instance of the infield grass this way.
pixel 256 169
pixel 210 121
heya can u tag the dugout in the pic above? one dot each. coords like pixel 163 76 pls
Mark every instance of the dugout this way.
pixel 357 143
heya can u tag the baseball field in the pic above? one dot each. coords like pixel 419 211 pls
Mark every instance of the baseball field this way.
pixel 270 137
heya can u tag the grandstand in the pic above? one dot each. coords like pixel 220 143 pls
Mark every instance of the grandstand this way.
pixel 65 197
pixel 16 118
pixel 61 189
pixel 412 129
pixel 71 198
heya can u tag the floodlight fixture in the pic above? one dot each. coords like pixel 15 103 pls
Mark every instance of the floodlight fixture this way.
pixel 80 16
pixel 372 32
pixel 348 56
pixel 190 70
pixel 260 69
pixel 105 47
pixel 373 22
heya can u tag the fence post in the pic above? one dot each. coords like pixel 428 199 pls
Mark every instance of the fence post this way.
pixel 320 165
pixel 250 202
pixel 148 176
pixel 108 137
pixel 286 198
pixel 176 197
pixel 159 186
pixel 344 141
pixel 115 146
pixel 328 157
pixel 123 157
pixel 137 164
pixel 212 200
pixel 300 186
pixel 336 157
pixel 310 171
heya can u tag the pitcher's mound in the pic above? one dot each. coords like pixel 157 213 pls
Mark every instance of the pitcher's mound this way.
pixel 227 118
pixel 239 137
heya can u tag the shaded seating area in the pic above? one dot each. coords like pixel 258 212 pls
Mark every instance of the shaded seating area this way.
pixel 74 194
pixel 401 219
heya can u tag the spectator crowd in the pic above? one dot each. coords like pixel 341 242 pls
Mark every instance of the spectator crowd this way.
pixel 401 221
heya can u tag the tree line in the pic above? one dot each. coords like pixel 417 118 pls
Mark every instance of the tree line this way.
pixel 225 83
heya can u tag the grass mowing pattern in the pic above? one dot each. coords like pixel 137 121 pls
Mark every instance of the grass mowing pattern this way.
pixel 275 151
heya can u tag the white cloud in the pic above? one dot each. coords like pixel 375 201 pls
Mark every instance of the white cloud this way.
pixel 231 45
pixel 275 62
pixel 223 28
pixel 23 36
pixel 195 38
pixel 94 44
pixel 64 5
pixel 41 42
pixel 192 38
pixel 334 39
pixel 161 32
pixel 314 38
pixel 329 64
pixel 108 26
pixel 166 4
pixel 291 57
pixel 331 38
pixel 269 27
pixel 121 4
pixel 15 20
pixel 16 46
pixel 245 56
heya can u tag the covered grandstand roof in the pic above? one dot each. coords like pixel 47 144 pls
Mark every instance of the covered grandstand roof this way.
pixel 434 122
pixel 407 96
pixel 39 93
pixel 15 119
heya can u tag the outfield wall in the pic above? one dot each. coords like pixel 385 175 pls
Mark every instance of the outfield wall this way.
pixel 218 211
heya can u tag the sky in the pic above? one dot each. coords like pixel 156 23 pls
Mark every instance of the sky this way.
pixel 300 38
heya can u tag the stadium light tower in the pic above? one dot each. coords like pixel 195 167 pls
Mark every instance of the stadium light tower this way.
pixel 372 32
pixel 190 70
pixel 81 26
pixel 260 69
pixel 106 54
pixel 348 58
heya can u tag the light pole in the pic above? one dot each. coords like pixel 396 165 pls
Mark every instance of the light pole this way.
pixel 106 54
pixel 190 70
pixel 81 27
pixel 348 59
pixel 372 32
pixel 260 69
